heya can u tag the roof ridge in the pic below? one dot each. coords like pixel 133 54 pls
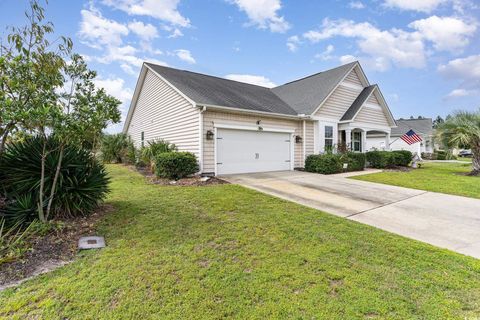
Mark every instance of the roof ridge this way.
pixel 208 75
pixel 315 74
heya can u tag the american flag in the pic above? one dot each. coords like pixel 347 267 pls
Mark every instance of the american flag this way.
pixel 411 137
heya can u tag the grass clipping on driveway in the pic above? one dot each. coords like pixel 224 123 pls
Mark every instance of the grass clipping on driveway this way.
pixel 448 178
pixel 224 251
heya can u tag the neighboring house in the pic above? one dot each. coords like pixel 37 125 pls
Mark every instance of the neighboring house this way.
pixel 235 127
pixel 422 127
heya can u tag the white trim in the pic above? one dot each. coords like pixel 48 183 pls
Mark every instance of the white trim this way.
pixel 133 102
pixel 250 128
pixel 317 118
pixel 265 113
pixel 363 125
pixel 351 85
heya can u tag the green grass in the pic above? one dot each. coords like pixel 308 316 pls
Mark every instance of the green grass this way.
pixel 228 252
pixel 434 176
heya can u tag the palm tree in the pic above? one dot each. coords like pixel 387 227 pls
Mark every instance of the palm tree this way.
pixel 463 130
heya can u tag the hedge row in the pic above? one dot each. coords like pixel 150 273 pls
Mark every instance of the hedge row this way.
pixel 333 163
pixel 389 159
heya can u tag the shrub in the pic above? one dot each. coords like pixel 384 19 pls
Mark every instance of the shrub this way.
pixel 402 157
pixel 355 160
pixel 429 155
pixel 380 159
pixel 324 163
pixel 117 148
pixel 148 154
pixel 175 165
pixel 81 185
pixel 441 155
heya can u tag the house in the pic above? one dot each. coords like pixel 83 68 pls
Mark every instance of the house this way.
pixel 235 127
pixel 422 127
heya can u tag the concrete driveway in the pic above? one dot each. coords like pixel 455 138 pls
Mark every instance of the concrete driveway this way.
pixel 446 221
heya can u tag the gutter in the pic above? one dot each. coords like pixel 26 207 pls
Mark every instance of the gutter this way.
pixel 206 107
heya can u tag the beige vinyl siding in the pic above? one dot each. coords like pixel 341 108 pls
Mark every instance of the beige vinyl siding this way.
pixel 338 103
pixel 373 100
pixel 212 117
pixel 309 138
pixel 162 113
pixel 372 115
pixel 352 77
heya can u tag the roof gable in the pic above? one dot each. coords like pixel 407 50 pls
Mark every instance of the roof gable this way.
pixel 306 94
pixel 420 126
pixel 358 103
pixel 210 90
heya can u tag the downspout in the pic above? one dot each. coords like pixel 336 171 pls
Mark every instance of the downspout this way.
pixel 304 144
pixel 200 138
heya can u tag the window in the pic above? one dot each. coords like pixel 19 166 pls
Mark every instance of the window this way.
pixel 357 141
pixel 328 138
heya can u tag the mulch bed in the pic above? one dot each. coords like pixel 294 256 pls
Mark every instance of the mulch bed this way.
pixel 52 250
pixel 191 181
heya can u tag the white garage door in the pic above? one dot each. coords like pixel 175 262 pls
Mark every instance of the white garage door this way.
pixel 244 151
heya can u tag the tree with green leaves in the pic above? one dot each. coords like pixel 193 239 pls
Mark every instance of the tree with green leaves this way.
pixel 42 94
pixel 462 129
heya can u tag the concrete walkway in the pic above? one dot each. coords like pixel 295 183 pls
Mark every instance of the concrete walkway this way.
pixel 446 221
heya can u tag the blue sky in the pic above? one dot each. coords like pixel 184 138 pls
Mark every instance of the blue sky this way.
pixel 424 54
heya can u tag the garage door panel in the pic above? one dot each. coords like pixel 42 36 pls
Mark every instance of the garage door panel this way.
pixel 243 151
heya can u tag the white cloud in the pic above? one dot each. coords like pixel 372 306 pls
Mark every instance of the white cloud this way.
pixel 467 70
pixel 185 55
pixel 293 42
pixel 347 59
pixel 116 88
pixel 458 93
pixel 165 10
pixel 176 33
pixel 414 5
pixel 327 54
pixel 386 47
pixel 145 32
pixel 252 79
pixel 463 68
pixel 446 33
pixel 263 14
pixel 97 30
pixel 356 5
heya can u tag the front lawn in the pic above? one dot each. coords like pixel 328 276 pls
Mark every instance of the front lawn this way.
pixel 434 176
pixel 224 251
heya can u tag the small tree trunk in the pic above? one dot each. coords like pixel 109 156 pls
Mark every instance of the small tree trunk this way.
pixel 54 183
pixel 41 213
pixel 475 161
pixel 5 133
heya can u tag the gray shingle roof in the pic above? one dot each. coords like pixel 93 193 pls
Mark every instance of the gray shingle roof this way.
pixel 420 126
pixel 205 89
pixel 306 94
pixel 358 103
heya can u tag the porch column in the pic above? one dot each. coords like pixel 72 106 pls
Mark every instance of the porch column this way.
pixel 348 139
pixel 387 141
pixel 364 141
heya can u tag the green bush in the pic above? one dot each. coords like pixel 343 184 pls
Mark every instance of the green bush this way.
pixel 441 155
pixel 155 147
pixel 355 160
pixel 81 185
pixel 324 163
pixel 380 159
pixel 389 159
pixel 175 165
pixel 402 157
pixel 117 148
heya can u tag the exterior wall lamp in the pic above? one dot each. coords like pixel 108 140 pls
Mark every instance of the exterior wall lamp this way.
pixel 298 139
pixel 209 135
